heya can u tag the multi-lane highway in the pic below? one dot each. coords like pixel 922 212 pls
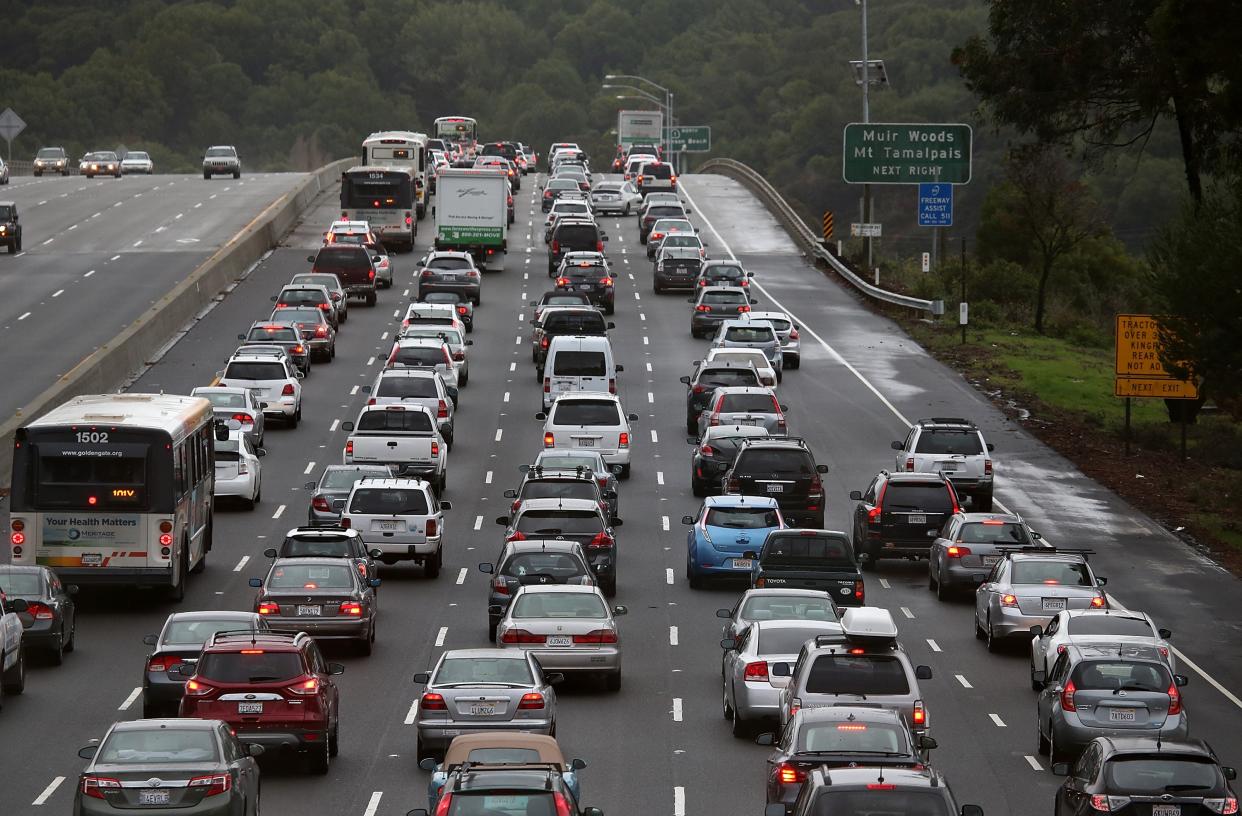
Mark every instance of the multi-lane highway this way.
pixel 99 252
pixel 660 745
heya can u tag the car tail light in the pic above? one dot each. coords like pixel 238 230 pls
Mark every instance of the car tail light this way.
pixel 1227 805
pixel 743 308
pixel 432 527
pixel 597 636
pixel 325 306
pixel 442 410
pixel 919 716
pixel 1175 699
pixel 987 467
pixel 547 385
pixel 409 219
pixel 601 541
pixel 371 401
pixel 362 568
pixel 197 688
pixel 345 522
pixel 287 391
pixel 612 385
pixel 714 419
pixel 162 663
pixel 732 485
pixel 873 515
pixel 371 274
pixel 516 536
pixel 433 702
pixel 306 687
pixel 702 307
pixel 543 342
pixel 910 463
pixel 599 246
pixel 547 193
pixel 268 608
pixel 788 774
pixel 562 281
pixel 1099 602
pixel 500 586
pixel 606 281
pixel 442 807
pixel 244 419
pixel 549 440
pixel 956 551
pixel 321 331
pixel 94 786
pixel 349 447
pixel 795 705
pixel 698 389
pixel 673 180
pixel 427 273
pixel 756 671
pixel 531 701
pixel 351 608
pixel 459 355
pixel 435 449
pixel 1009 600
pixel 556 247
pixel 859 589
pixel 521 636
pixel 461 310
pixel 282 305
pixel 1067 697
pixel 623 440
pixel 211 785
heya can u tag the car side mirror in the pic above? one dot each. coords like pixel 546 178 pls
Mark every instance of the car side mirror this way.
pixel 376 258
pixel 1036 536
pixel 310 486
pixel 254 749
pixel 577 764
pixel 422 678
pixel 1059 768
pixel 270 552
pixel 336 668
pixel 753 301
pixel 445 504
pixel 495 609
pixel 1180 680
pixel 784 408
pixel 88 752
pixel 897 445
pixel 620 610
pixel 684 380
pixel 691 300
pixel 991 447
pixel 615 469
pixel 310 258
pixel 1164 633
pixel 780 669
pixel 72 589
pixel 150 640
pixel 687 519
pixel 855 495
pixel 260 452
pixel 487 567
pixel 923 672
pixel 728 644
pixel 592 811
pixel 469 342
pixel 927 743
pixel 1039 676
pixel 366 389
pixel 241 337
pixel 510 494
pixel 619 368
pixel 1100 580
pixel 299 374
pixel 692 440
pixel 751 275
pixel 1037 631
pixel 766 738
pixel 17 605
pixel 724 613
pixel 373 582
pixel 541 416
pixel 257 583
pixel 821 468
pixel 610 325
pixel 503 521
pixel 1228 772
pixel 632 417
pixel 275 299
pixel 971 810
pixel 376 553
pixel 420 811
pixel 347 426
pixel 616 522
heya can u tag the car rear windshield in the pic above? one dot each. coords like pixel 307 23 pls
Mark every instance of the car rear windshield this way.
pixel 728 376
pixel 804 549
pixel 586 412
pixel 560 489
pixel 729 272
pixel 335 546
pixel 565 459
pixel 574 322
pixel 585 271
pixel 299 314
pixel 994 532
pixel 947 442
pixel 345 478
pixel 419 356
pixel 743 518
pixel 556 564
pixel 932 497
pixel 302 297
pixel 750 403
pixel 1109 625
pixel 857 674
pixel 563 300
pixel 21 583
pixel 440 297
pixel 1065 573
pixel 343 258
pixel 1156 776
pixel 559 605
pixel 787 641
pixel 779 324
pixel 234 667
pixel 679 239
pixel 318 279
pixel 255 371
pixel 450 263
pixel 661 171
pixel 274 334
pixel 159 746
pixel 407 387
pixel 196 631
pixel 552 523
pixel 776 462
pixel 853 737
pixel 310 576
pixel 577 235
pixel 732 298
pixel 562 184
pixel 789 607
pixel 665 211
pixel 505 802
pixel 395 421
pixel 1121 675
pixel 228 451
pixel 483 670
pixel 389 502
pixel 748 334
pixel 580 364
pixel 882 803
pixel 563 207
pixel 223 399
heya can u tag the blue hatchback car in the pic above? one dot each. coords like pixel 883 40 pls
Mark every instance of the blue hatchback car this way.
pixel 725 528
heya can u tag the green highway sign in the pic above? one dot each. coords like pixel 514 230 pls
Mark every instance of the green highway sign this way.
pixel 690 138
pixel 877 153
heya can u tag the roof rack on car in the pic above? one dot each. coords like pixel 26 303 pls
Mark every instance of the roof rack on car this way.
pixel 944 421
pixel 245 634
pixel 1041 550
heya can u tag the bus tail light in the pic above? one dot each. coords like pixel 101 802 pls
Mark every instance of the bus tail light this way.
pixel 166 538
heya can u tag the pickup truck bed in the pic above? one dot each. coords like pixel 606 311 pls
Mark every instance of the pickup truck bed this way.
pixel 810 559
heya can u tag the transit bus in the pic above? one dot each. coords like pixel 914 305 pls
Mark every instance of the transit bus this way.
pixel 459 130
pixel 116 490
pixel 383 196
pixel 402 148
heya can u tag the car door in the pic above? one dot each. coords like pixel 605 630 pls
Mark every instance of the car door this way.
pixel 1050 693
pixel 1048 640
pixel 861 509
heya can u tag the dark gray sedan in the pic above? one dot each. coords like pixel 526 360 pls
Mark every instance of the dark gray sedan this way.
pixel 50 620
pixel 328 495
pixel 324 597
pixel 169 766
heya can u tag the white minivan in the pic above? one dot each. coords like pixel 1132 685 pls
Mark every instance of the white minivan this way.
pixel 578 363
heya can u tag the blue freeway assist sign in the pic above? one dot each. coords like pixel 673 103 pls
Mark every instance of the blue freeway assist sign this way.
pixel 935 205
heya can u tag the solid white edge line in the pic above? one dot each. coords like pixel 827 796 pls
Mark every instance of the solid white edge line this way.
pixel 48 791
pixel 129 701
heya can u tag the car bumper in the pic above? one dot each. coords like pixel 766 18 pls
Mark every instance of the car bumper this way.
pixel 157 689
pixel 320 345
pixel 278 737
pixel 403 549
pixel 1074 735
pixel 234 488
pixel 284 407
pixel 579 660
pixel 712 563
pixel 956 574
pixel 971 484
pixel 438 734
pixel 42 634
pixel 675 281
pixel 321 628
pixel 702 322
pixel 608 206
pixel 469 291
pixel 1010 622
pixel 210 806
pixel 116 576
pixel 756 700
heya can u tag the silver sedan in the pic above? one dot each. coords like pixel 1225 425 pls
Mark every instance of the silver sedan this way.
pixel 568 628
pixel 751 692
pixel 777 604
pixel 1028 587
pixel 744 405
pixel 474 691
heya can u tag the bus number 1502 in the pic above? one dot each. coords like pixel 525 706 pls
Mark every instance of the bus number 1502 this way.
pixel 93 436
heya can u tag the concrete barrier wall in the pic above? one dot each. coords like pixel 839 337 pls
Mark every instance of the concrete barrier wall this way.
pixel 112 363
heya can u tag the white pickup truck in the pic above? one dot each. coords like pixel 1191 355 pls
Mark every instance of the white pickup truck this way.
pixel 404 437
pixel 12 655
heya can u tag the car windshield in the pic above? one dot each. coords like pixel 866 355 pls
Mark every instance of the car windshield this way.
pixel 255 371
pixel 743 518
pixel 659 210
pixel 563 300
pixel 450 336
pixel 868 674
pixel 1038 571
pixel 6 212
pixel 570 461
pixel 1109 625
pixel 560 489
pixel 672 225
pixel 219 151
pixel 21 583
pixel 222 399
pixel 310 576
pixel 301 297
pixel 318 279
pixel 994 532
pixel 442 297
pixel 483 670
pixel 389 502
pixel 317 547
pixel 776 462
pixel 556 564
pixel 788 607
pixel 933 497
pixel 728 376
pixel 1103 675
pixel 586 412
pixel 295 314
pixel 450 262
pixel 554 522
pixel 946 442
pixel 49 153
pixel 788 641
pixel 136 154
pixel 749 403
pixel 882 803
pixel 344 478
pixel 286 334
pixel 509 802
pixel 807 549
pixel 1159 775
pixel 748 334
pixel 395 421
pixel 579 364
pixel 419 356
pixel 196 631
pixel 853 737
pixel 559 605
pixel 402 387
pixel 158 745
pixel 254 666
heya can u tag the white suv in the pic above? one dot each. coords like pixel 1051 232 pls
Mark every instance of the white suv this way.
pixel 277 381
pixel 592 420
pixel 954 447
pixel 402 518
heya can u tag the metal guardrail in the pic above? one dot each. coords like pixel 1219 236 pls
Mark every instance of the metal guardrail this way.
pixel 801 233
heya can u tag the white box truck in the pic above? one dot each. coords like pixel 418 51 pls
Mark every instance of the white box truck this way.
pixel 640 127
pixel 472 214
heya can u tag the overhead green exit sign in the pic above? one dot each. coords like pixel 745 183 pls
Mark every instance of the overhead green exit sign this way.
pixel 878 153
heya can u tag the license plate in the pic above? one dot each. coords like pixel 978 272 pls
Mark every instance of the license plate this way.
pixel 991 559
pixel 387 525
pixel 250 708
pixel 916 519
pixel 309 610
pixel 1121 715
pixel 742 563
pixel 1166 810
pixel 1054 604
pixel 586 443
pixel 483 709
pixel 153 797
pixel 776 488
pixel 560 640
pixel 92 559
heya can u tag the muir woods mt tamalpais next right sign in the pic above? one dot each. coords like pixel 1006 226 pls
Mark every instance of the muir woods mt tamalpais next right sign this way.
pixel 876 153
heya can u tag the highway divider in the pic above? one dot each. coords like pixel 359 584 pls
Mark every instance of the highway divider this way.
pixel 114 362
pixel 749 178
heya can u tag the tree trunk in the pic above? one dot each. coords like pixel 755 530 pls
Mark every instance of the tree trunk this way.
pixel 1190 157
pixel 1042 293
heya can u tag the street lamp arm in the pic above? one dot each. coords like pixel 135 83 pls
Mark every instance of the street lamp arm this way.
pixel 637 79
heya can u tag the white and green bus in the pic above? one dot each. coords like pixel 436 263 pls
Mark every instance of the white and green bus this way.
pixel 402 148
pixel 459 130
pixel 116 490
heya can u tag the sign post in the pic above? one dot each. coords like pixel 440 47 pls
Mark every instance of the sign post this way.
pixel 1139 371
pixel 10 125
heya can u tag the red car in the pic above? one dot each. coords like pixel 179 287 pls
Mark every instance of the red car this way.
pixel 272 689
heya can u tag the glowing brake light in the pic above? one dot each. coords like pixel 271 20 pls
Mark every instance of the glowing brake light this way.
pixel 196 688
pixel 310 686
pixel 1067 697
pixel 623 440
pixel 287 391
pixel 757 670
pixel 919 715
pixel 1098 602
pixel 351 608
pixel 1009 600
pixel 1175 699
pixel 954 551
pixel 269 608
pixel 549 439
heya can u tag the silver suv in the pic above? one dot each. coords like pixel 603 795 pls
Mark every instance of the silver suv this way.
pixel 402 518
pixel 221 160
pixel 864 664
pixel 954 447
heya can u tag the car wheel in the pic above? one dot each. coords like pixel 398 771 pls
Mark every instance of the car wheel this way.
pixel 697 488
pixel 978 629
pixel 692 579
pixel 318 759
pixel 258 495
pixel 73 634
pixel 741 727
pixel 983 502
pixel 432 566
pixel 56 654
pixel 1042 746
pixel 236 174
pixel 1054 755
pixel 932 583
pixel 366 645
pixel 14 680
pixel 625 472
pixel 334 741
pixel 177 594
pixel 726 709
pixel 248 504
pixel 344 317
pixel 1035 684
pixel 993 643
pixel 206 175
pixel 943 592
pixel 422 752
pixel 370 298
pixel 492 623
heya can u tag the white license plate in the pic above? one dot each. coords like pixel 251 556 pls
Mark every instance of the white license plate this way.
pixel 916 519
pixel 1166 810
pixel 309 610
pixel 776 488
pixel 989 560
pixel 386 525
pixel 483 710
pixel 250 708
pixel 1121 715
pixel 741 563
pixel 586 443
pixel 153 797
pixel 1054 604
pixel 948 466
pixel 92 559
pixel 560 640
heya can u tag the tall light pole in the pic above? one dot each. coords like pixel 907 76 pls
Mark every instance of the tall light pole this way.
pixel 866 89
pixel 668 104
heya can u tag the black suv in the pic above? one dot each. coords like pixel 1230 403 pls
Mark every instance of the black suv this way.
pixel 546 483
pixel 10 227
pixel 593 279
pixel 878 788
pixel 281 333
pixel 573 235
pixel 575 321
pixel 899 515
pixel 706 379
pixel 783 469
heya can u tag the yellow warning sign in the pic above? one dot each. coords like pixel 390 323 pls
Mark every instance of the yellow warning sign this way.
pixel 1154 387
pixel 1139 372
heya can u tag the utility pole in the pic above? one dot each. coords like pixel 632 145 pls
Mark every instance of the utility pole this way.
pixel 866 86
pixel 672 157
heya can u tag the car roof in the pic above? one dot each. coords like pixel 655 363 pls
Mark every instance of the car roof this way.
pixel 427 373
pixel 307 559
pixel 209 614
pixel 568 589
pixel 820 714
pixel 495 654
pixel 825 625
pixel 1097 649
pixel 558 504
pixel 323 532
pixel 740 501
pixel 186 723
pixel 771 591
pixel 393 483
pixel 1191 747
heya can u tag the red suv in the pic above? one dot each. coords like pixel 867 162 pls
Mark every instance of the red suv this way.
pixel 272 689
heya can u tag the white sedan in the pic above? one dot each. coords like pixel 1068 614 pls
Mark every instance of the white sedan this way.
pixel 137 161
pixel 239 474
pixel 1114 627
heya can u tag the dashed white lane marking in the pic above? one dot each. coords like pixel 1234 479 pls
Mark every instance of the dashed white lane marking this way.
pixel 487 477
pixel 659 477
pixel 441 635
pixel 48 241
pixel 129 701
pixel 884 583
pixel 996 719
pixel 664 523
pixel 965 683
pixel 373 804
pixel 353 391
pixel 48 791
pixel 461 576
pixel 654 436
pixel 41 203
pixel 88 274
pixel 370 361
pixel 645 340
pixel 676 709
pixel 280 511
pixel 517 341
pixel 384 336
pixel 1033 762
pixel 397 313
pixel 160 229
pixel 668 575
pixel 637 296
pixel 650 397
pixel 906 611
pixel 642 317
pixel 499 433
pixel 333 426
pixel 115 258
pixel 679 801
pixel 648 366
pixel 309 467
pixel 513 366
pixel 24 316
pixel 212 196
pixel 241 565
pixel 506 396
pixel 672 636
pixel 412 714
pixel 478 522
pixel 935 647
pixel 58 293
pixel 96 215
pixel 138 243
